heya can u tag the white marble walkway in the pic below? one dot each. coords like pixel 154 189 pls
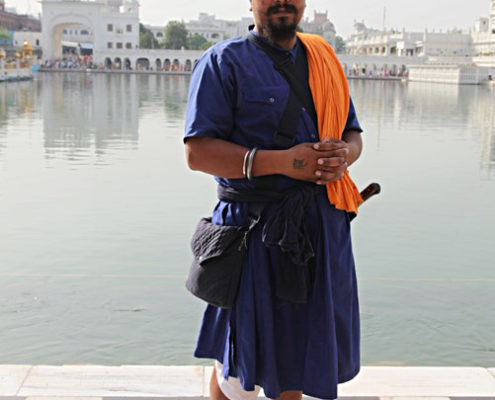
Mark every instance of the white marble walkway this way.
pixel 191 382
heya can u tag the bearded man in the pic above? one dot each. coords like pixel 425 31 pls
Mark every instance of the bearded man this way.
pixel 294 327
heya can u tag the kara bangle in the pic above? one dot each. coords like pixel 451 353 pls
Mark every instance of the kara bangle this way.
pixel 245 163
pixel 249 170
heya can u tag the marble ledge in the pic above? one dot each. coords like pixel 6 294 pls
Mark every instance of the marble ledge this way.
pixel 91 382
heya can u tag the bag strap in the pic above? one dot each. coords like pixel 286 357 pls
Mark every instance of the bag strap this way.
pixel 285 136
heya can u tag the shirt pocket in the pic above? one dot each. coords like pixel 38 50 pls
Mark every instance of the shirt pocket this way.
pixel 260 112
pixel 269 95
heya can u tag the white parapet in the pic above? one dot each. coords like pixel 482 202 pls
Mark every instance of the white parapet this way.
pixel 452 74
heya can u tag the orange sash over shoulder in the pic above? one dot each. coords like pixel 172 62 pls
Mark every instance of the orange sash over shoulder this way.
pixel 331 98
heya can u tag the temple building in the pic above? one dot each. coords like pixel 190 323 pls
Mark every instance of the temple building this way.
pixel 479 41
pixel 11 21
pixel 104 25
pixel 320 25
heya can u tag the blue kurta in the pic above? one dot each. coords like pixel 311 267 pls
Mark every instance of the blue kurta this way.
pixel 237 95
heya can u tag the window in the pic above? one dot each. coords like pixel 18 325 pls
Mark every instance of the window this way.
pixel 159 34
pixel 109 45
pixel 110 28
pixel 119 45
pixel 84 32
pixel 128 45
pixel 129 28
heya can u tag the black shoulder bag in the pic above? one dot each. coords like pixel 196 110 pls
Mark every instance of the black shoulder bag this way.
pixel 219 251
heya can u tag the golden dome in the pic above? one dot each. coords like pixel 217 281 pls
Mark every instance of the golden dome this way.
pixel 26 46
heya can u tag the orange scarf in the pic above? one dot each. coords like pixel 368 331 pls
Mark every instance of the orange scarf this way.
pixel 331 98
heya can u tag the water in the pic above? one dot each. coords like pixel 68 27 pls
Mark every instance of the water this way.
pixel 97 208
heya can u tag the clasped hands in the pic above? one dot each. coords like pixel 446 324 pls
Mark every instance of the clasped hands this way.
pixel 320 162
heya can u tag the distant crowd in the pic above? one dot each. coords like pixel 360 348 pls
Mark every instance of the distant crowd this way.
pixel 384 72
pixel 73 62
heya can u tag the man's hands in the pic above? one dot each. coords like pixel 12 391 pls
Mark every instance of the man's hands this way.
pixel 321 162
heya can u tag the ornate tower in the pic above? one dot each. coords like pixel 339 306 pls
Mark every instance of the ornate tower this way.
pixel 2 5
pixel 492 16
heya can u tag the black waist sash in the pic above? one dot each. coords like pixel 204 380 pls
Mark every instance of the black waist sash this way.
pixel 286 229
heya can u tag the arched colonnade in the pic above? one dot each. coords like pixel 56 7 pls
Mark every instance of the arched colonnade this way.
pixel 150 64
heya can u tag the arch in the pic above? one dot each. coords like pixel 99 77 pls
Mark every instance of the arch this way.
pixel 108 63
pixel 188 66
pixel 393 70
pixel 158 64
pixel 166 64
pixel 355 69
pixel 195 62
pixel 127 64
pixel 344 67
pixel 53 30
pixel 175 65
pixel 384 71
pixel 142 64
pixel 117 63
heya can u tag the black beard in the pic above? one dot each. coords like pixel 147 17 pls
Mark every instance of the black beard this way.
pixel 285 29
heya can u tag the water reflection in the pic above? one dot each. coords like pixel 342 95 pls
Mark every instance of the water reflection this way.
pixel 482 119
pixel 429 109
pixel 87 115
pixel 17 99
pixel 420 247
pixel 88 112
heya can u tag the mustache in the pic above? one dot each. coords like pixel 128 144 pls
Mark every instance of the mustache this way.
pixel 277 8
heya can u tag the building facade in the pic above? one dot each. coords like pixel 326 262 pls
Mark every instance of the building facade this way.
pixel 215 30
pixel 376 42
pixel 484 36
pixel 14 22
pixel 320 25
pixel 113 24
pixel 477 42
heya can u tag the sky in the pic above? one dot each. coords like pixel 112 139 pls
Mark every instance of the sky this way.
pixel 414 15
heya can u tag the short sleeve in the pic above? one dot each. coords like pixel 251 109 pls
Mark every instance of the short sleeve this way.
pixel 210 102
pixel 352 123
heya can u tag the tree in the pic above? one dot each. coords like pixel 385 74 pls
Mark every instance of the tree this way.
pixel 205 46
pixel 5 36
pixel 175 35
pixel 147 39
pixel 195 42
pixel 339 44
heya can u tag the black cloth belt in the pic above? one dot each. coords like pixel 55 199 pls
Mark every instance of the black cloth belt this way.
pixel 287 229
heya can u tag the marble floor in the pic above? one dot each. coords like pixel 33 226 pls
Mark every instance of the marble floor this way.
pixel 127 382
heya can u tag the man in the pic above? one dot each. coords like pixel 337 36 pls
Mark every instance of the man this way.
pixel 295 326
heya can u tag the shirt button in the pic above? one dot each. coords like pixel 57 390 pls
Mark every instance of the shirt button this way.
pixel 271 100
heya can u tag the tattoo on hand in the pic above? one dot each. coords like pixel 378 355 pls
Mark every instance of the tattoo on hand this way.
pixel 299 164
